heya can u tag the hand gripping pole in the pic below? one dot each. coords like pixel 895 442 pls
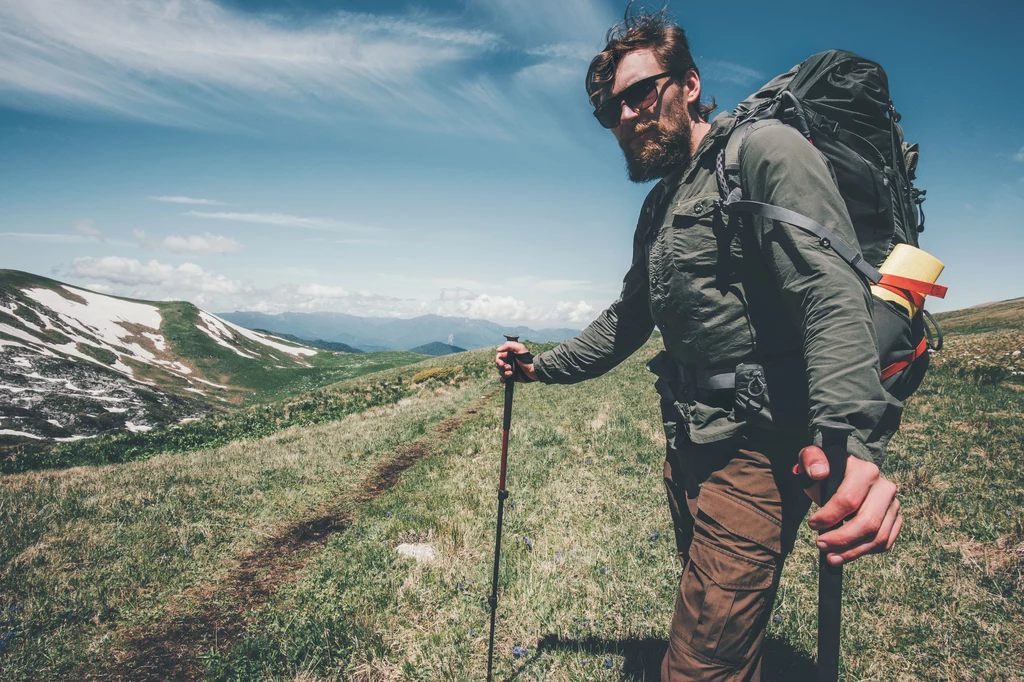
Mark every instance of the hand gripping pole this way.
pixel 830 578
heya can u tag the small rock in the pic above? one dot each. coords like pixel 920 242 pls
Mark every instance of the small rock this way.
pixel 420 552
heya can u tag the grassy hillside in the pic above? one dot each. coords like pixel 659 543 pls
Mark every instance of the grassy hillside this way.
pixel 75 364
pixel 276 558
pixel 981 318
pixel 437 348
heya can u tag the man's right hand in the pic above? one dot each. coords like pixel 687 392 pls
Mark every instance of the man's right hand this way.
pixel 502 360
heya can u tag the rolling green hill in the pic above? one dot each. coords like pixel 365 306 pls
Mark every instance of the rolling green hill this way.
pixel 287 556
pixel 436 348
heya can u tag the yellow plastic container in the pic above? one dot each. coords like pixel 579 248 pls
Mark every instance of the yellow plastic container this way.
pixel 912 263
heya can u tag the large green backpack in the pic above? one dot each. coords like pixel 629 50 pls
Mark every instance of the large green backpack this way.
pixel 840 103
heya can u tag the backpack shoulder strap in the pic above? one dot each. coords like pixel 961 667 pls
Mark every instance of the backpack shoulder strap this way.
pixel 730 156
pixel 730 187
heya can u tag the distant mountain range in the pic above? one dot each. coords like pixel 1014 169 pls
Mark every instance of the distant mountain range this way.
pixel 381 333
pixel 326 345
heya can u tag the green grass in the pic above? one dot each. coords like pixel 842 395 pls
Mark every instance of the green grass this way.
pixel 86 551
pixel 589 571
pixel 262 419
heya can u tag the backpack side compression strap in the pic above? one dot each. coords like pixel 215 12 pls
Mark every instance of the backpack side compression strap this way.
pixel 827 237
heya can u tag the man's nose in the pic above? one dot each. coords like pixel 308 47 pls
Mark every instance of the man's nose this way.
pixel 627 114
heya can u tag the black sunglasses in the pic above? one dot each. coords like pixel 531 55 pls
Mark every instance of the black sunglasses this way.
pixel 640 95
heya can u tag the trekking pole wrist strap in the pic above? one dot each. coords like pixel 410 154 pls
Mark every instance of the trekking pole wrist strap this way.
pixel 518 374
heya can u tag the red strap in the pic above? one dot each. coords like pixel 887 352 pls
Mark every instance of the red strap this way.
pixel 915 298
pixel 903 364
pixel 915 285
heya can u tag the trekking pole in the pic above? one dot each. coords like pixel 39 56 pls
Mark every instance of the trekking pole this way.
pixel 502 493
pixel 830 578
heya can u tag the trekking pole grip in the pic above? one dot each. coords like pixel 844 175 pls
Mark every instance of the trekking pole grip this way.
pixel 833 444
pixel 830 578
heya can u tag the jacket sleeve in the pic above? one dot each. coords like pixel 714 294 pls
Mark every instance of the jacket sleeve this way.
pixel 821 293
pixel 615 335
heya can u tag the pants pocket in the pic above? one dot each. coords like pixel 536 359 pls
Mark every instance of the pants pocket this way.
pixel 723 598
pixel 728 586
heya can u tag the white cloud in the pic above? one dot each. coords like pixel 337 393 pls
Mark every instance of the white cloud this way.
pixel 456 294
pixel 99 288
pixel 578 51
pixel 1019 156
pixel 319 291
pixel 282 220
pixel 550 286
pixel 87 228
pixel 511 309
pixel 188 200
pixel 170 279
pixel 450 303
pixel 191 244
pixel 718 70
pixel 197 63
pixel 570 21
pixel 154 280
pixel 45 237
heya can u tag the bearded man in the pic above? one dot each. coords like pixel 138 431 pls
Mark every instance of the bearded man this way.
pixel 767 335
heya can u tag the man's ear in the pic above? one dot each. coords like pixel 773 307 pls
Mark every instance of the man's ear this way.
pixel 691 88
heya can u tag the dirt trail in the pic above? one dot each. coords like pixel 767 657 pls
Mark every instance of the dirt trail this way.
pixel 213 615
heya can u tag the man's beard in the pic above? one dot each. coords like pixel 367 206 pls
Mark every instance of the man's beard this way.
pixel 667 150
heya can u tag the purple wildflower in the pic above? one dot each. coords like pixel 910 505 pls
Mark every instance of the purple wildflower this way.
pixel 518 651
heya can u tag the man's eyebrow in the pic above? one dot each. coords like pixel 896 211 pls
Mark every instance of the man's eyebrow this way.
pixel 627 87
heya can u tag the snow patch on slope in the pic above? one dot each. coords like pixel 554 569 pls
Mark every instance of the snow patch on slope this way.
pixel 297 351
pixel 215 328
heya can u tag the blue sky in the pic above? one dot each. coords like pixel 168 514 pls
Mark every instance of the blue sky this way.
pixel 390 158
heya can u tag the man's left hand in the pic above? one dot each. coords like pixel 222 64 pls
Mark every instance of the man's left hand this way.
pixel 865 499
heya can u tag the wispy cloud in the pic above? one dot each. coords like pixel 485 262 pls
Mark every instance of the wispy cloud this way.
pixel 729 72
pixel 284 220
pixel 1019 156
pixel 87 228
pixel 193 62
pixel 569 21
pixel 188 200
pixel 577 51
pixel 44 237
pixel 191 244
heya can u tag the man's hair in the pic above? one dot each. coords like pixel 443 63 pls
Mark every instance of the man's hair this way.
pixel 637 31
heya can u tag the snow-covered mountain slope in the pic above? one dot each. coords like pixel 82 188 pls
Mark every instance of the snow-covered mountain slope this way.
pixel 75 363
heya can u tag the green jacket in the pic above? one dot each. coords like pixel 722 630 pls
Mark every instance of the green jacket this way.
pixel 764 292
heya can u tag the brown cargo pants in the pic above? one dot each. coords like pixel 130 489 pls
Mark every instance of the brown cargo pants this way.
pixel 736 508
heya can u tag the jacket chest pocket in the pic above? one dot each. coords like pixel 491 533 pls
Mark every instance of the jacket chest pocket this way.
pixel 699 239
